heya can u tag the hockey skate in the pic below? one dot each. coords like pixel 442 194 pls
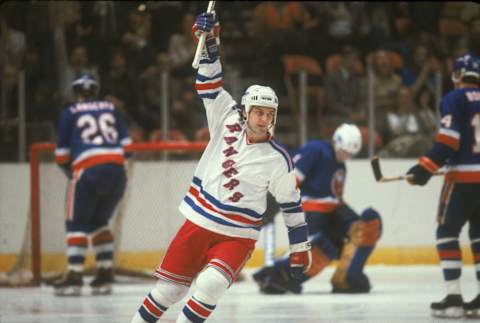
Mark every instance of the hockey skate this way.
pixel 472 308
pixel 102 283
pixel 274 282
pixel 451 306
pixel 70 285
pixel 359 285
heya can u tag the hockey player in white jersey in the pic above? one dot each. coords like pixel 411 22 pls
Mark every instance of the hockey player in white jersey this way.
pixel 227 197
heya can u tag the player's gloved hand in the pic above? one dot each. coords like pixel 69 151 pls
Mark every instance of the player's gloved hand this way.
pixel 420 175
pixel 206 23
pixel 300 259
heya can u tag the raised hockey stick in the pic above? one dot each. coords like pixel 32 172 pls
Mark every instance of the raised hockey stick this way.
pixel 377 172
pixel 201 40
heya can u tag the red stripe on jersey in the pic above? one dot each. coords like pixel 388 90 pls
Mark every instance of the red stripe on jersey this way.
pixel 152 308
pixel 324 207
pixel 208 86
pixel 463 177
pixel 428 164
pixel 77 241
pixel 451 142
pixel 234 217
pixel 198 309
pixel 99 159
pixel 450 254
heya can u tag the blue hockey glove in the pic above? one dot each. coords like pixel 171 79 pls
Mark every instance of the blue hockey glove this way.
pixel 206 23
pixel 420 175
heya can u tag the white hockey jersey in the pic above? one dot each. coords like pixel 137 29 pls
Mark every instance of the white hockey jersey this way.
pixel 228 191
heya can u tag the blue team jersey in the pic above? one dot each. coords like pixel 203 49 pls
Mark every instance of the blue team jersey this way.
pixel 458 139
pixel 322 178
pixel 91 133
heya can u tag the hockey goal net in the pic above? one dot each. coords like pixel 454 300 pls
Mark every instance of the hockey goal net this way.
pixel 143 224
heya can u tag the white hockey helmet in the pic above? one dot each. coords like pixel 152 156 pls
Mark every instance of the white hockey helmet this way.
pixel 263 96
pixel 347 137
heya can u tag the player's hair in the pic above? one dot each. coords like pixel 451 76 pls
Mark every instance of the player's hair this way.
pixel 85 86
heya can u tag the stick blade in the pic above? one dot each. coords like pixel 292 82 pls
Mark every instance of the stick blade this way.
pixel 375 162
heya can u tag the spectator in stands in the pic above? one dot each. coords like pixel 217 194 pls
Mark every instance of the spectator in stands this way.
pixel 120 87
pixel 474 36
pixel 181 48
pixel 411 127
pixel 150 92
pixel 336 24
pixel 12 43
pixel 419 72
pixel 137 39
pixel 8 112
pixel 279 29
pixel 344 89
pixel 387 85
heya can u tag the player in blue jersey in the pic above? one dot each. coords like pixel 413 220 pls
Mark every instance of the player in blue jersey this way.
pixel 91 136
pixel 457 146
pixel 336 231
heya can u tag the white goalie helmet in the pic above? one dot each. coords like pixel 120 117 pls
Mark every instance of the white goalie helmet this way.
pixel 263 96
pixel 347 137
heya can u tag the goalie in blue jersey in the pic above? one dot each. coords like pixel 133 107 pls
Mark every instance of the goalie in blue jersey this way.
pixel 91 136
pixel 336 231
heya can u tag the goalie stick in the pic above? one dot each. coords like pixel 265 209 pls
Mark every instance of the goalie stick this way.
pixel 377 172
pixel 201 40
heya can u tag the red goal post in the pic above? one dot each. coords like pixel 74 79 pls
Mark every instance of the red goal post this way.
pixel 168 147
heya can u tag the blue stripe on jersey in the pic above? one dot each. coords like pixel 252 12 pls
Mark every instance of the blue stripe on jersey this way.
pixel 203 78
pixel 197 181
pixel 298 234
pixel 294 210
pixel 200 211
pixel 212 96
pixel 290 204
pixel 208 60
pixel 283 152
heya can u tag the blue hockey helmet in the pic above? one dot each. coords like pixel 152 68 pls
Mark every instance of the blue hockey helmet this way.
pixel 85 84
pixel 466 66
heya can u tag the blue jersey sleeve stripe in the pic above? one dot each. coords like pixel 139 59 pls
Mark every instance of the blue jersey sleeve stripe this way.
pixel 284 153
pixel 203 78
pixel 295 210
pixel 209 95
pixel 290 204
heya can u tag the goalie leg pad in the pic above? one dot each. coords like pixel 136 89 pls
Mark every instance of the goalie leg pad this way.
pixel 323 251
pixel 349 276
pixel 367 230
pixel 319 261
